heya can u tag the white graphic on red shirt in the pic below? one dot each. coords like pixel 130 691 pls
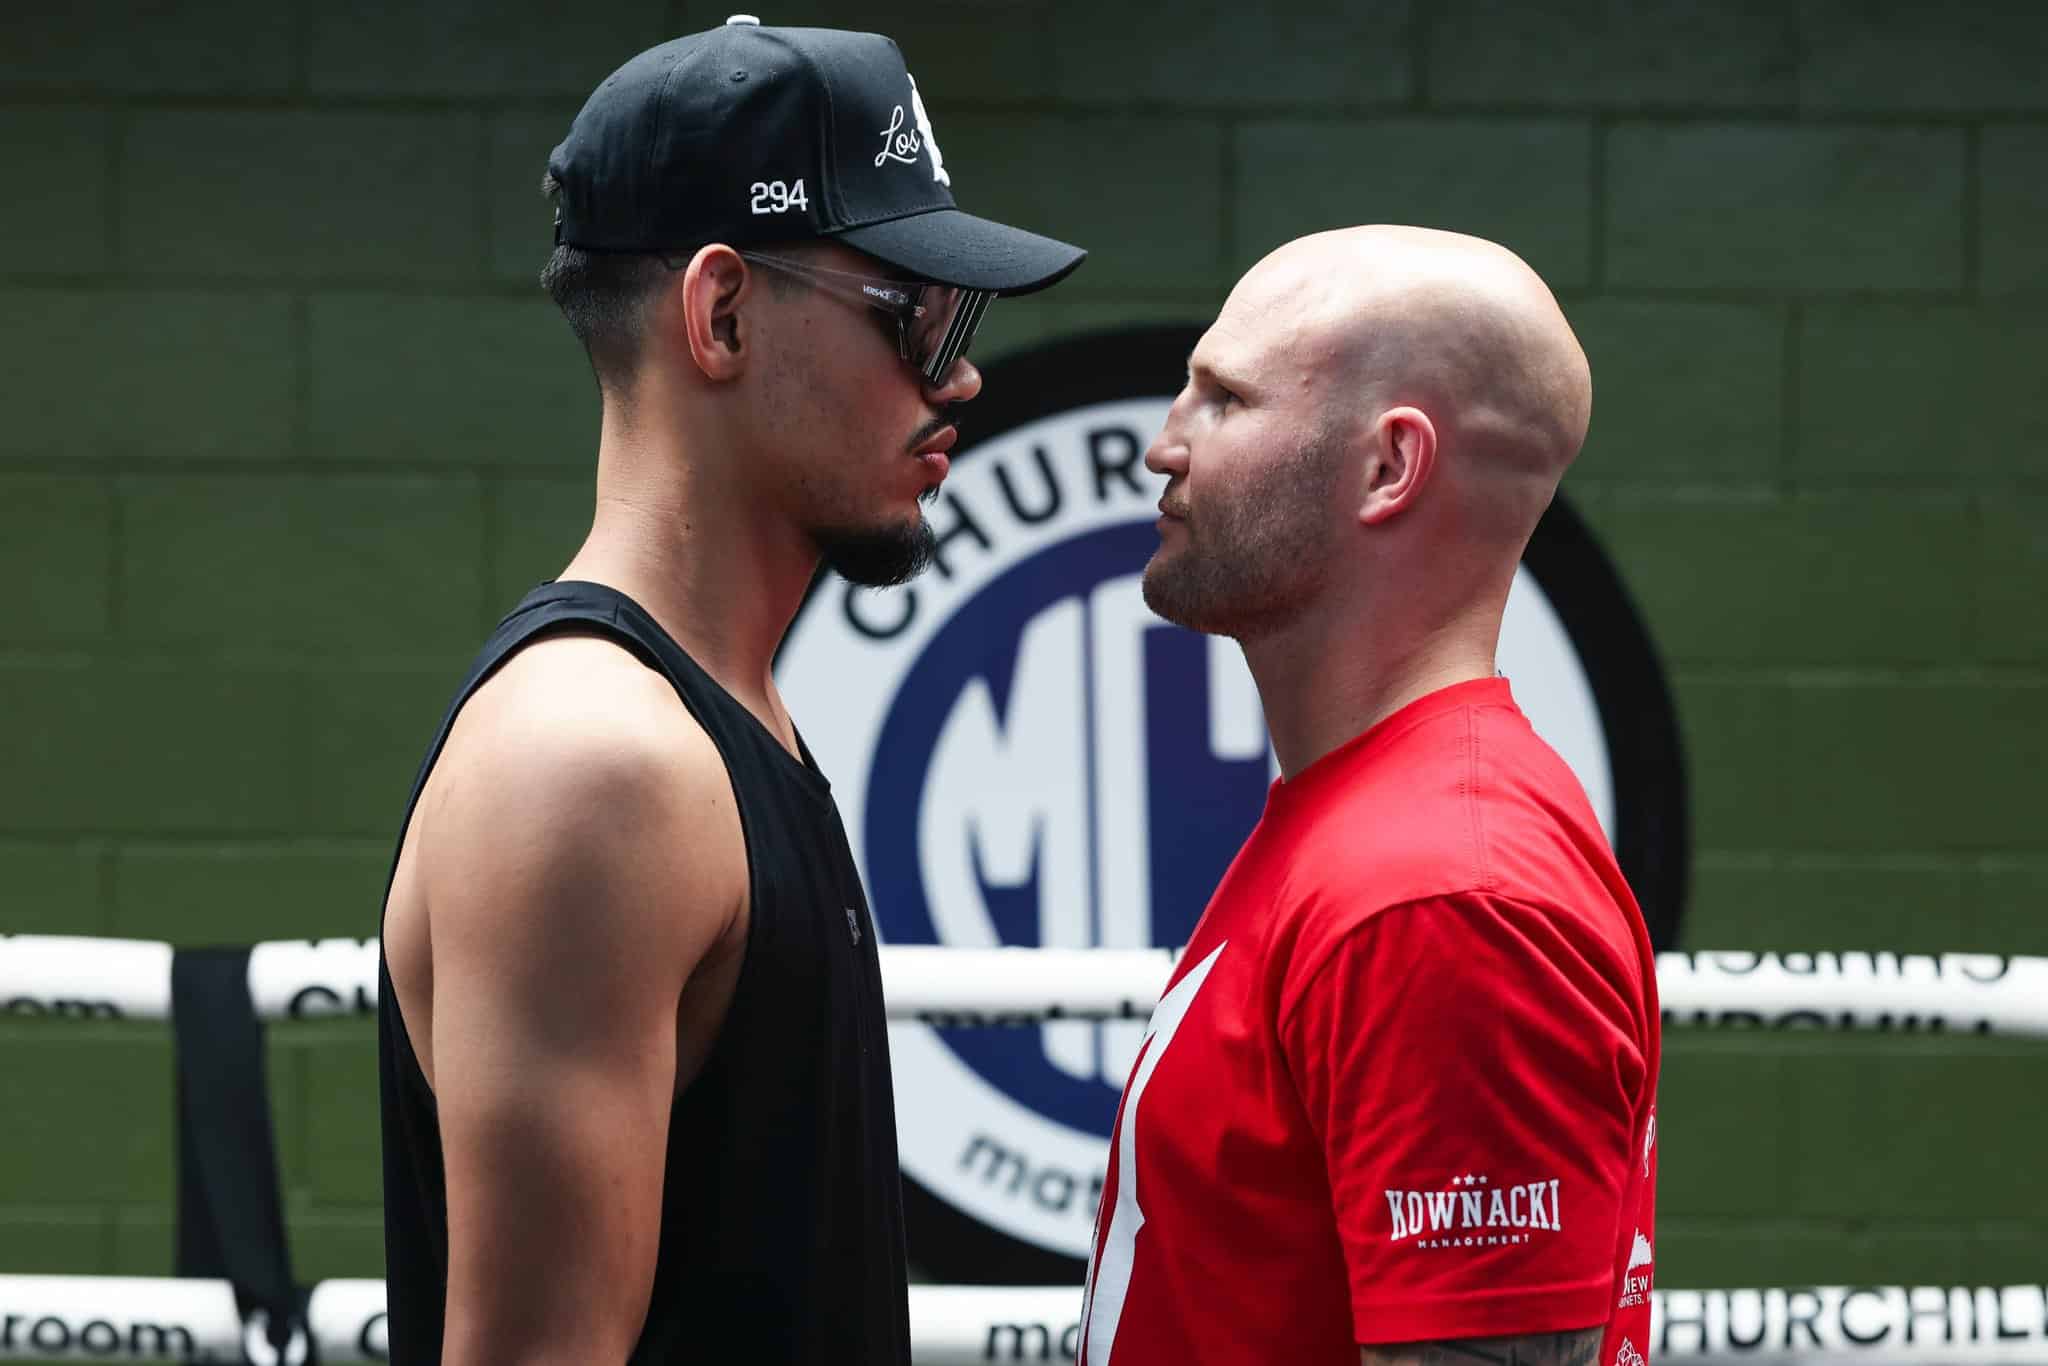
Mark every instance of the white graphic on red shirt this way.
pixel 1476 1213
pixel 1635 1289
pixel 1628 1355
pixel 1649 1142
pixel 1109 1271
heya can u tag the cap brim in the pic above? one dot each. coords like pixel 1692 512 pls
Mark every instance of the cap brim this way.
pixel 956 248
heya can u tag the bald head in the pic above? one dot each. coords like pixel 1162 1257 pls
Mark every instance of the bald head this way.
pixel 1455 326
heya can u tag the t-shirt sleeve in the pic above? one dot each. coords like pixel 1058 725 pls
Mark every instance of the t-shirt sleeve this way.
pixel 1472 1076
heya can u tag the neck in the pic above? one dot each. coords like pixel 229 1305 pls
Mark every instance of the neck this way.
pixel 720 571
pixel 1329 677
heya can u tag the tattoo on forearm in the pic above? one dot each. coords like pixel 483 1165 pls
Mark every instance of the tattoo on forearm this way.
pixel 1578 1348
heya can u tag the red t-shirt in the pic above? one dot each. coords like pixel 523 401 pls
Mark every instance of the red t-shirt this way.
pixel 1402 1084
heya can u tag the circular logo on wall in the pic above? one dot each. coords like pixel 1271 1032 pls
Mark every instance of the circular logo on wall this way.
pixel 1024 755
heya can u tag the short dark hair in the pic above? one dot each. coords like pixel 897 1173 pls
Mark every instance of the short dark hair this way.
pixel 604 295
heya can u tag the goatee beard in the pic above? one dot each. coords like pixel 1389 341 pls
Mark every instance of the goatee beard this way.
pixel 878 557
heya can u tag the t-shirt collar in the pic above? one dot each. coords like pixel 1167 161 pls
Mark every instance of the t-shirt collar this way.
pixel 1342 761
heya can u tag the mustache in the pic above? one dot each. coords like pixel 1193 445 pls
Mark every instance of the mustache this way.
pixel 928 431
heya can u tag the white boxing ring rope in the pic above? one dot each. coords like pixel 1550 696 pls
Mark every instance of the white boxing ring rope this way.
pixel 133 1318
pixel 94 1318
pixel 84 978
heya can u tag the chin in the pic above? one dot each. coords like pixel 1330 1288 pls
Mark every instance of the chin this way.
pixel 879 556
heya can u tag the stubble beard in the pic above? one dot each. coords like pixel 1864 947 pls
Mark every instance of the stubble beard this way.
pixel 1250 567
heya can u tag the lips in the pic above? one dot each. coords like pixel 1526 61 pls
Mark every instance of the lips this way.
pixel 931 452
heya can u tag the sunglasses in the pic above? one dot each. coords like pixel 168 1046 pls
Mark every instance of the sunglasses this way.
pixel 934 322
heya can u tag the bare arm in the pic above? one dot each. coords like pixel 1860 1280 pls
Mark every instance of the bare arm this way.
pixel 583 862
pixel 1577 1348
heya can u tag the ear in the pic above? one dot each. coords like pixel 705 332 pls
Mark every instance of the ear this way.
pixel 714 286
pixel 1399 458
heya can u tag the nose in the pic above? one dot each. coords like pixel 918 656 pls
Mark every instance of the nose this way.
pixel 963 382
pixel 1168 453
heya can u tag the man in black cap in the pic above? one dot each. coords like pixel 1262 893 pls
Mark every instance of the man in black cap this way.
pixel 633 1057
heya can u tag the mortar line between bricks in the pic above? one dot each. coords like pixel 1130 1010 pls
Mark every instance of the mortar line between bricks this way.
pixel 109 877
pixel 1325 111
pixel 1875 1221
pixel 468 289
pixel 1973 211
pixel 1797 675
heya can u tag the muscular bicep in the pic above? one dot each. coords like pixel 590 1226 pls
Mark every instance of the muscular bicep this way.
pixel 1536 1349
pixel 570 903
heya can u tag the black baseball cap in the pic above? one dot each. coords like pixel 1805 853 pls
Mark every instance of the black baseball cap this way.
pixel 747 134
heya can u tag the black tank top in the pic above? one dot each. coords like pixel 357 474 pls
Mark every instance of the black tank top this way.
pixel 782 1216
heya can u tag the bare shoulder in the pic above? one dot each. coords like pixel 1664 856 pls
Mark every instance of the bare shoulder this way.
pixel 575 782
pixel 1578 1347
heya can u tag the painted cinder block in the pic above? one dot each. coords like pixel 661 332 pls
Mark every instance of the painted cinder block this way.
pixel 1761 579
pixel 1869 766
pixel 146 375
pixel 143 747
pixel 1869 1248
pixel 173 47
pixel 521 217
pixel 1713 1157
pixel 360 195
pixel 319 566
pixel 537 525
pixel 473 49
pixel 1326 54
pixel 359 740
pixel 1776 207
pixel 2007 892
pixel 1685 392
pixel 244 892
pixel 41 1242
pixel 53 887
pixel 2014 249
pixel 1610 54
pixel 1918 396
pixel 2010 579
pixel 344 1162
pixel 1789 902
pixel 88 1111
pixel 1140 192
pixel 330 1244
pixel 64 155
pixel 1926 1129
pixel 438 381
pixel 1525 183
pixel 56 556
pixel 1861 56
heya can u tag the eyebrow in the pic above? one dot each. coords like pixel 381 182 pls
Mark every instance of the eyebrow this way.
pixel 1222 375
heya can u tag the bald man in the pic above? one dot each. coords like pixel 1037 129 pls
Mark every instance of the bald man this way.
pixel 1398 1101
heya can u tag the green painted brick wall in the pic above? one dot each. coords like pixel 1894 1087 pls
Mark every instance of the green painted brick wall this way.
pixel 287 424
